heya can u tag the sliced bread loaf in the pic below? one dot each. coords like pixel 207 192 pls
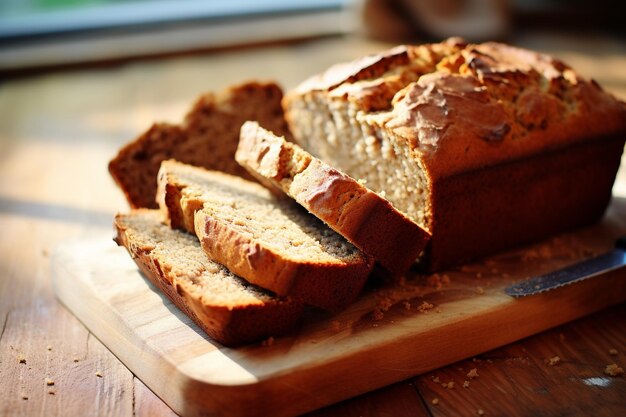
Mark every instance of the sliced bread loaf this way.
pixel 269 241
pixel 363 217
pixel 226 307
pixel 208 137
pixel 486 146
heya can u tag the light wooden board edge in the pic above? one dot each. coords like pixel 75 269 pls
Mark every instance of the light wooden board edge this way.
pixel 290 390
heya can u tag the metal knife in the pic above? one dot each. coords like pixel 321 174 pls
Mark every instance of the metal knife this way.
pixel 610 261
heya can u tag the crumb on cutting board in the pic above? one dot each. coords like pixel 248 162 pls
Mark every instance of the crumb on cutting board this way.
pixel 613 352
pixel 466 384
pixel 49 382
pixel 424 307
pixel 435 401
pixel 473 373
pixel 377 314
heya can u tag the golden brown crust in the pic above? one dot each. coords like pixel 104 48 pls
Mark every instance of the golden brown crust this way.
pixel 508 205
pixel 464 106
pixel 230 325
pixel 367 220
pixel 208 137
pixel 328 285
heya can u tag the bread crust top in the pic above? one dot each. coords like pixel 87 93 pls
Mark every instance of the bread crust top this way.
pixel 462 106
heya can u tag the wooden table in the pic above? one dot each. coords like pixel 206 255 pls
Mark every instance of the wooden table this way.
pixel 57 132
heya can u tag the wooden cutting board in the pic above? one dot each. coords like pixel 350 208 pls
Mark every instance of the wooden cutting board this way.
pixel 395 330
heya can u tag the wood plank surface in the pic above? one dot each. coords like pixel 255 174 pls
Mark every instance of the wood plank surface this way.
pixel 395 329
pixel 59 129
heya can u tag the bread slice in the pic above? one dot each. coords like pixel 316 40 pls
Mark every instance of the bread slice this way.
pixel 269 241
pixel 363 217
pixel 226 307
pixel 208 137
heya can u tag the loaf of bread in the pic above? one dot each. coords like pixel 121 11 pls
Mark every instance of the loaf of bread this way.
pixel 270 242
pixel 208 137
pixel 347 206
pixel 485 146
pixel 226 307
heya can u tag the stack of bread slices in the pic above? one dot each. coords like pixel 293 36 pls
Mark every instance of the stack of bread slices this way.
pixel 243 258
pixel 259 205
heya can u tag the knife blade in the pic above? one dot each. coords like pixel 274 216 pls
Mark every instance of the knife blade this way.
pixel 610 261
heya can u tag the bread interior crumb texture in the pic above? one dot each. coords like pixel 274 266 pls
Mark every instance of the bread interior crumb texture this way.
pixel 254 212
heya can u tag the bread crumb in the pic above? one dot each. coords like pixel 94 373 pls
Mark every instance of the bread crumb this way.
pixel 555 360
pixel 21 359
pixel 480 412
pixel 99 374
pixel 268 342
pixel 480 290
pixel 75 359
pixel 52 392
pixel 49 382
pixel 49 348
pixel 24 397
pixel 450 385
pixel 434 281
pixel 424 307
pixel 614 370
pixel 385 304
pixel 473 373
pixel 436 380
pixel 435 401
pixel 613 352
pixel 466 384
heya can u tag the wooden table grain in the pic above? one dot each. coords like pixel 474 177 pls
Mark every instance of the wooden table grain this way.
pixel 59 129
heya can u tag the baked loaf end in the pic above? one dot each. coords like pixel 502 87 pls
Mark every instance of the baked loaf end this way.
pixel 433 126
pixel 208 137
pixel 363 217
pixel 226 307
pixel 270 242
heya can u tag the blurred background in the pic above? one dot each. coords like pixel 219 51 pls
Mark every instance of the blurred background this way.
pixel 36 34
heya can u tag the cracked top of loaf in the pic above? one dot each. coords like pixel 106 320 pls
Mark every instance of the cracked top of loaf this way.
pixel 462 106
